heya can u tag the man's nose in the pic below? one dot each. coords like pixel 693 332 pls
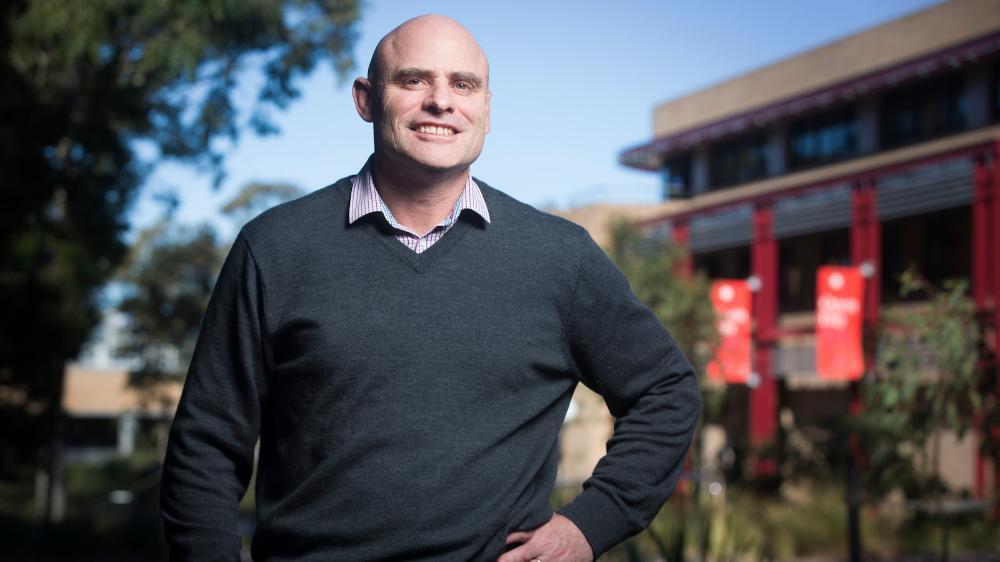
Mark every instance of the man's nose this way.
pixel 439 98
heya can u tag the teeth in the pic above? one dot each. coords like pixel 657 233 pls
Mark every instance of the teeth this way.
pixel 434 130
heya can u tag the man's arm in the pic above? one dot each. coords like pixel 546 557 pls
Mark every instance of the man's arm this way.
pixel 209 457
pixel 624 353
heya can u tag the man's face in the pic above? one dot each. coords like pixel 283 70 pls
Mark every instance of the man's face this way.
pixel 429 101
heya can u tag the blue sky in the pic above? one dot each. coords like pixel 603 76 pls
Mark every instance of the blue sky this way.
pixel 573 84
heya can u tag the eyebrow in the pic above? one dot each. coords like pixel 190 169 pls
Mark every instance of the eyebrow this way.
pixel 425 74
pixel 470 77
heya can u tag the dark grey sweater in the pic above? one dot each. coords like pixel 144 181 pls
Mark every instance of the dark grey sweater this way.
pixel 408 405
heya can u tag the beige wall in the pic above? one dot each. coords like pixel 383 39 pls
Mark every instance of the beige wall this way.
pixel 957 454
pixel 892 43
pixel 106 393
pixel 582 438
pixel 597 218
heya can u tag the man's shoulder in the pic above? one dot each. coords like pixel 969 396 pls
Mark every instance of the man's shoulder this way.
pixel 523 217
pixel 298 217
pixel 551 239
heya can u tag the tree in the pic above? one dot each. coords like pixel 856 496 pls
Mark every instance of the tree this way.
pixel 86 84
pixel 168 278
pixel 255 197
pixel 931 376
pixel 682 304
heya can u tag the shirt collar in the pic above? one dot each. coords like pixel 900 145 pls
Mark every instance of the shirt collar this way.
pixel 365 200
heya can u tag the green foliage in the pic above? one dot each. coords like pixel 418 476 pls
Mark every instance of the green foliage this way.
pixel 169 277
pixel 84 85
pixel 96 527
pixel 929 378
pixel 744 525
pixel 255 197
pixel 807 519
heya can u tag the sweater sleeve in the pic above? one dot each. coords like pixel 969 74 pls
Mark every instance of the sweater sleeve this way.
pixel 624 353
pixel 210 451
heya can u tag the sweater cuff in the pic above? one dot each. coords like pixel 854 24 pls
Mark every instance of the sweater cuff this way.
pixel 599 519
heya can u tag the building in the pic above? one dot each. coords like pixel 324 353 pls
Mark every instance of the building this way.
pixel 878 149
pixel 105 416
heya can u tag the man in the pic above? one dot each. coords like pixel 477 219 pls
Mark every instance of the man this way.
pixel 405 343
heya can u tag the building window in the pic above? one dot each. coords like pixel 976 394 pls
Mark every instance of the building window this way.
pixel 995 92
pixel 922 111
pixel 823 138
pixel 91 432
pixel 799 258
pixel 738 161
pixel 677 177
pixel 938 245
pixel 731 263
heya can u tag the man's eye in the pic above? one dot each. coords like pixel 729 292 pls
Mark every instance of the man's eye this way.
pixel 412 82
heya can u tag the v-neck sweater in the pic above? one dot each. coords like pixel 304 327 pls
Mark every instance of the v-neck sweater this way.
pixel 408 405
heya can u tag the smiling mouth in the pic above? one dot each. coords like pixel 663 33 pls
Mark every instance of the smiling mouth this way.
pixel 433 130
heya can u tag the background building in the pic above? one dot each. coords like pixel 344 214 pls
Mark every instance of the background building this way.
pixel 105 416
pixel 878 149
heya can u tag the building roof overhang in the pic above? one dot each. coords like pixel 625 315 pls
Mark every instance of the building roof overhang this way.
pixel 651 155
pixel 977 143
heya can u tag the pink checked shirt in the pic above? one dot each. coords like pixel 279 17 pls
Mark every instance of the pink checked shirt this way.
pixel 365 199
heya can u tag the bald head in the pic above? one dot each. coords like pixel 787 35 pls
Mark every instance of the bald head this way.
pixel 427 97
pixel 420 33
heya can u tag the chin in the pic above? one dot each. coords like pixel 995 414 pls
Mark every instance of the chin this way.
pixel 441 163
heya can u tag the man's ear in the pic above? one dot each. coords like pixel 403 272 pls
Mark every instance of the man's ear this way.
pixel 489 95
pixel 364 98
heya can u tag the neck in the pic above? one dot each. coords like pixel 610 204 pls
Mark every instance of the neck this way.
pixel 418 198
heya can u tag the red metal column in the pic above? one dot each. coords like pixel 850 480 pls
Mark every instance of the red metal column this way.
pixel 866 253
pixel 866 246
pixel 982 202
pixel 682 236
pixel 982 275
pixel 993 264
pixel 764 397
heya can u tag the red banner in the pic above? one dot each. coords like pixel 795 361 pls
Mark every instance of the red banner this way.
pixel 731 299
pixel 839 354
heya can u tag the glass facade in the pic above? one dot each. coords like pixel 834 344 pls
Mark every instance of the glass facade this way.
pixel 939 244
pixel 995 92
pixel 677 177
pixel 823 138
pixel 928 109
pixel 738 161
pixel 731 263
pixel 798 259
